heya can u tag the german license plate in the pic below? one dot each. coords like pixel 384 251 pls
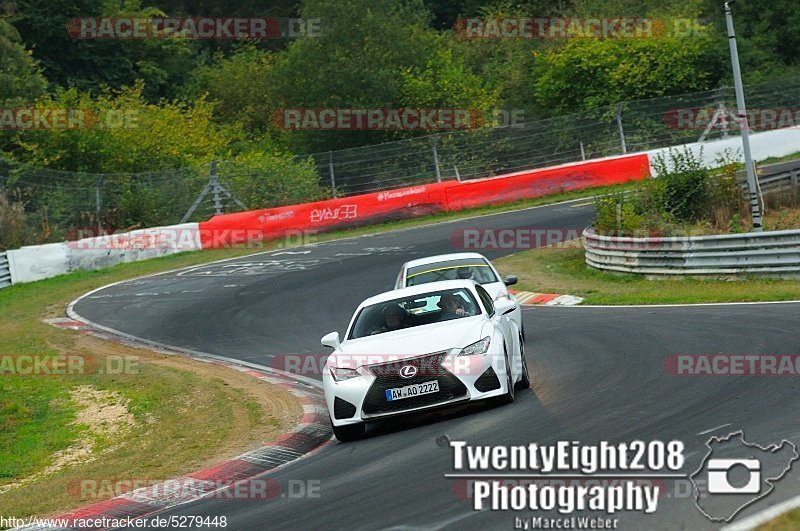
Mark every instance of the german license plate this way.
pixel 410 391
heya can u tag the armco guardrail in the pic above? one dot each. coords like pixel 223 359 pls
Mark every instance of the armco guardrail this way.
pixel 775 176
pixel 5 271
pixel 775 253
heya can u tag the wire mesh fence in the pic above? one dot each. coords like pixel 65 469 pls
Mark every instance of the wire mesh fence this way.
pixel 613 130
pixel 58 205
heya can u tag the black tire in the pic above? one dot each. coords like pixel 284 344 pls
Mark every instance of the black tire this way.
pixel 525 381
pixel 508 397
pixel 348 433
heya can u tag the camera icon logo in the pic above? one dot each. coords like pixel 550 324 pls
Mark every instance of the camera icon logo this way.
pixel 735 474
pixel 719 481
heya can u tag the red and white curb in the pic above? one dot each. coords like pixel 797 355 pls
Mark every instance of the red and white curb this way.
pixel 311 433
pixel 528 298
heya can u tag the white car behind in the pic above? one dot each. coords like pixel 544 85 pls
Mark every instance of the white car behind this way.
pixel 453 266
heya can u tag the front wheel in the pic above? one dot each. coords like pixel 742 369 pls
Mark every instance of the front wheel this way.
pixel 350 432
pixel 508 397
pixel 524 381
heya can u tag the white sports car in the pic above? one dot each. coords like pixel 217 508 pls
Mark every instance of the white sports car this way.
pixel 473 266
pixel 422 347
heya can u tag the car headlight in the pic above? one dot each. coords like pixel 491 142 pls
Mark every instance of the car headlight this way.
pixel 341 373
pixel 479 347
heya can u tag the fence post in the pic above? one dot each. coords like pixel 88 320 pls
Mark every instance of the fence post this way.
pixel 720 96
pixel 436 159
pixel 4 169
pixel 97 203
pixel 621 131
pixel 333 177
pixel 215 188
pixel 583 152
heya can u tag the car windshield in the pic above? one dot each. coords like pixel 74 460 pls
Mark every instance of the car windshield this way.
pixel 466 268
pixel 417 310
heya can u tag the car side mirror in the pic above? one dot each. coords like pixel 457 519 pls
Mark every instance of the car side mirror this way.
pixel 504 306
pixel 510 280
pixel 331 340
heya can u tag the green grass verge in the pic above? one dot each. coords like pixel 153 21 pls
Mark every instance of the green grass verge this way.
pixel 563 270
pixel 170 401
pixel 790 520
pixel 776 160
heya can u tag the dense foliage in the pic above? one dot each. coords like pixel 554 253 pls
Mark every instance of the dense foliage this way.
pixel 685 197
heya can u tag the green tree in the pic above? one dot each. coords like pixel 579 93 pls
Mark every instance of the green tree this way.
pixel 121 132
pixel 241 85
pixel 446 81
pixel 360 61
pixel 20 77
pixel 589 72
pixel 89 64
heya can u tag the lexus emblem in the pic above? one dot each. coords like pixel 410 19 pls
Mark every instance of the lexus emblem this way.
pixel 408 371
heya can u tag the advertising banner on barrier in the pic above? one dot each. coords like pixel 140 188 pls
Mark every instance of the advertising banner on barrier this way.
pixel 268 224
pixel 413 201
pixel 541 182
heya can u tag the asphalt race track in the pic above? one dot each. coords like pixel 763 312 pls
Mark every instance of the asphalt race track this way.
pixel 598 374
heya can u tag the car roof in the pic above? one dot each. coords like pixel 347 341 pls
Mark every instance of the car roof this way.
pixel 443 258
pixel 418 290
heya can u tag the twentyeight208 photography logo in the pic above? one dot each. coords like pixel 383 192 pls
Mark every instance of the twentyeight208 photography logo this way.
pixel 735 474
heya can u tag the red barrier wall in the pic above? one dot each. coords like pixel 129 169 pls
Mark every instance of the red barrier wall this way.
pixel 414 201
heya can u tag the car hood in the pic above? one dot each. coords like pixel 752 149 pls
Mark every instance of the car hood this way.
pixel 411 342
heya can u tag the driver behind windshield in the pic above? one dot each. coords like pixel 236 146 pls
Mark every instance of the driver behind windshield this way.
pixel 393 318
pixel 451 306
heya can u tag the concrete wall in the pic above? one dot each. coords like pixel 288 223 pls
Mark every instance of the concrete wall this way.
pixel 776 143
pixel 37 262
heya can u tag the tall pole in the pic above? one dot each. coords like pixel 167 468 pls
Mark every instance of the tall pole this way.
pixel 755 204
